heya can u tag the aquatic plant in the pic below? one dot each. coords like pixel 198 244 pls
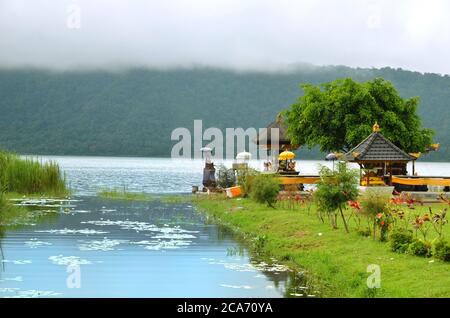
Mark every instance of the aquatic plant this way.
pixel 28 176
pixel 116 194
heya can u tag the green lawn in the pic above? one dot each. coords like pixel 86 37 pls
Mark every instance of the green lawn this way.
pixel 337 261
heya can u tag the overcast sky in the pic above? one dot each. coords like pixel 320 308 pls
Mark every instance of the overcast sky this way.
pixel 263 35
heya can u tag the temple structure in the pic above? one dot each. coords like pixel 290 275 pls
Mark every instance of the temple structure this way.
pixel 266 139
pixel 379 159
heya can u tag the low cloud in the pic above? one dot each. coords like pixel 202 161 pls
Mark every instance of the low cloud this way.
pixel 243 35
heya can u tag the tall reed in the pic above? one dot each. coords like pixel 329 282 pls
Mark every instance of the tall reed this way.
pixel 28 176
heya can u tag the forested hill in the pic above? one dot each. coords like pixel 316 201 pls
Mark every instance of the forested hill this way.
pixel 132 113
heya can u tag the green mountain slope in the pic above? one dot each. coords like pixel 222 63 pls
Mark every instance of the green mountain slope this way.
pixel 132 113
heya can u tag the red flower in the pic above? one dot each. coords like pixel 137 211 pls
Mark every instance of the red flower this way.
pixel 382 223
pixel 354 204
pixel 397 200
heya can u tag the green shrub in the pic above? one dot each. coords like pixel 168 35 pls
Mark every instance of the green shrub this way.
pixel 441 250
pixel 335 189
pixel 374 202
pixel 265 189
pixel 400 240
pixel 419 248
pixel 225 177
pixel 245 180
pixel 375 209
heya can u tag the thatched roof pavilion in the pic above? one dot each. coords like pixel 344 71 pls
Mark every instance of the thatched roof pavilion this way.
pixel 377 152
pixel 265 138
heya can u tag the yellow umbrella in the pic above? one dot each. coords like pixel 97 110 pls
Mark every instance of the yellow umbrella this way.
pixel 286 155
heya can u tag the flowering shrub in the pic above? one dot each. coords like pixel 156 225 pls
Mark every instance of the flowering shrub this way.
pixel 291 200
pixel 374 208
pixel 438 221
pixel 383 220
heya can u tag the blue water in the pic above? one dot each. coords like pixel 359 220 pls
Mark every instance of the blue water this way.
pixel 102 248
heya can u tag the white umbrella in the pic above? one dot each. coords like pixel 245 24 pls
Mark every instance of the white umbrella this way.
pixel 244 156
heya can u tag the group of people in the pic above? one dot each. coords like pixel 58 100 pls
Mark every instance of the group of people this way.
pixel 284 165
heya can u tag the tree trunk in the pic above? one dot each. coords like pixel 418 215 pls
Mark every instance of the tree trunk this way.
pixel 333 221
pixel 343 219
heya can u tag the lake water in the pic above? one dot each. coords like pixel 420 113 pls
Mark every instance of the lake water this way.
pixel 86 175
pixel 92 247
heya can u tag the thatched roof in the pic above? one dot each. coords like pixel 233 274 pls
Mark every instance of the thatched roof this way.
pixel 266 137
pixel 377 148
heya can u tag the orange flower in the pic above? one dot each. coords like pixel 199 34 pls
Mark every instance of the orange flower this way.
pixel 354 204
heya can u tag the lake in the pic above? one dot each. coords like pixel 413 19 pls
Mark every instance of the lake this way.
pixel 93 247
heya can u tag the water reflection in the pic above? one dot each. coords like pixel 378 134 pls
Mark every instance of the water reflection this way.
pixel 132 249
pixel 289 283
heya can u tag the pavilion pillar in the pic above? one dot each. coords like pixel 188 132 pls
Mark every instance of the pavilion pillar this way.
pixel 368 178
pixel 360 174
pixel 390 175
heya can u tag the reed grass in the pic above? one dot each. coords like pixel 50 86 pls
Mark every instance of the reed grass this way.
pixel 29 176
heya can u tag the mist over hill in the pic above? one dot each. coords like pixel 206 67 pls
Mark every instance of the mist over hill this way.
pixel 133 112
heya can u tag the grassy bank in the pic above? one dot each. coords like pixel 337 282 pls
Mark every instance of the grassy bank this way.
pixel 29 176
pixel 26 177
pixel 335 260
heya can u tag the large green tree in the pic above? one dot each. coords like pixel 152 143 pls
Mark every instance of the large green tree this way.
pixel 338 115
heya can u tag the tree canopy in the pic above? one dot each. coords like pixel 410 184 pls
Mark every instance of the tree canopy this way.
pixel 338 115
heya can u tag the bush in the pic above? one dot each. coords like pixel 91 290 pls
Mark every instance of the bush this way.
pixel 265 189
pixel 373 203
pixel 374 207
pixel 419 248
pixel 441 250
pixel 335 189
pixel 245 179
pixel 400 240
pixel 225 177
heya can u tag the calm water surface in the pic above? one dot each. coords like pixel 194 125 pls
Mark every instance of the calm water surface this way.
pixel 138 249
pixel 132 249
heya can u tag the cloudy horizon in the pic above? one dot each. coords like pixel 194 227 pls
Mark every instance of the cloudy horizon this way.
pixel 241 35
